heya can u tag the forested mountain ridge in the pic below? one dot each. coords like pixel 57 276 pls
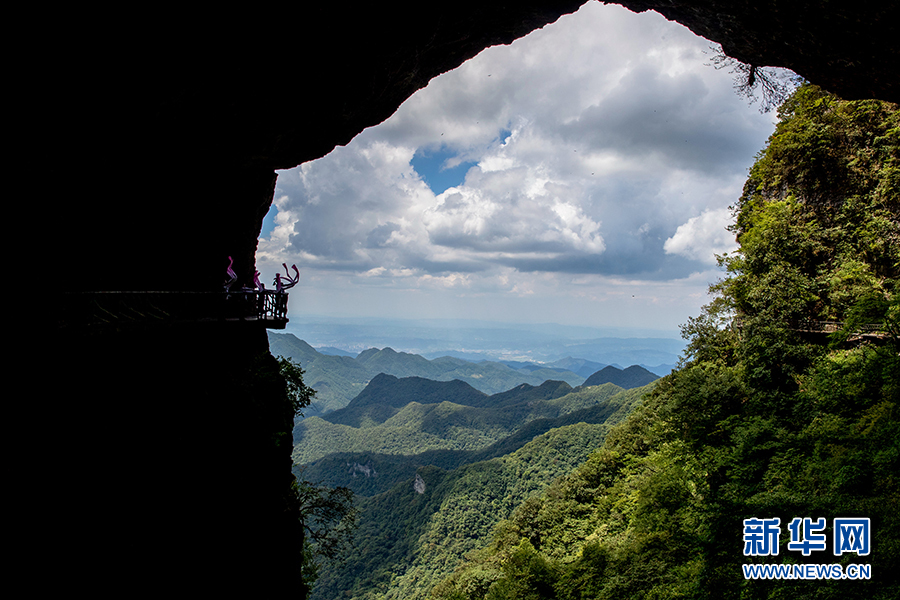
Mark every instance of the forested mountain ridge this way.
pixel 369 472
pixel 385 395
pixel 412 415
pixel 631 377
pixel 767 416
pixel 410 537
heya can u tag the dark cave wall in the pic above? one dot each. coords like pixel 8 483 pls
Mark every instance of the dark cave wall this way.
pixel 171 465
pixel 848 48
pixel 165 142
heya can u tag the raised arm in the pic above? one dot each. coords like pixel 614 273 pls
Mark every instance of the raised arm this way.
pixel 230 274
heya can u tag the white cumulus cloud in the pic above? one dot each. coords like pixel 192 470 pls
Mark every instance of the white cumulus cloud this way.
pixel 598 147
pixel 704 236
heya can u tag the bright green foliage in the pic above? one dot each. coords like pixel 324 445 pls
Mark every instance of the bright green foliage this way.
pixel 766 416
pixel 817 221
pixel 392 423
pixel 407 541
pixel 604 531
pixel 368 473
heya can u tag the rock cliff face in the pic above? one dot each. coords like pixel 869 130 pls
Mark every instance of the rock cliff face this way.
pixel 164 143
pixel 419 484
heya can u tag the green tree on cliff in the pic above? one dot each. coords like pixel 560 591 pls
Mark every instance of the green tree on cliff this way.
pixel 326 515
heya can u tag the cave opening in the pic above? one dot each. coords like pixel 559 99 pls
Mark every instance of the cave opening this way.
pixel 581 175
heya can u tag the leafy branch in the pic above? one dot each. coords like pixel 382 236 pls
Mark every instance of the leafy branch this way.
pixel 298 392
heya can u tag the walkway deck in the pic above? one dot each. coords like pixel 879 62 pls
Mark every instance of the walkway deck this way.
pixel 268 308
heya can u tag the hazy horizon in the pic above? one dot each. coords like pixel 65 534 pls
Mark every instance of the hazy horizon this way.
pixel 480 340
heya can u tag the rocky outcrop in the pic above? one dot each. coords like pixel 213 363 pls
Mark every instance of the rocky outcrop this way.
pixel 366 470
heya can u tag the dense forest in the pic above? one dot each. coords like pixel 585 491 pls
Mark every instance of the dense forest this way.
pixel 784 405
pixel 423 470
pixel 413 415
pixel 372 459
pixel 419 514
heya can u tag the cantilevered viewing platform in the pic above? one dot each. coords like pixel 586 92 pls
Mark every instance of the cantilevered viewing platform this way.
pixel 115 308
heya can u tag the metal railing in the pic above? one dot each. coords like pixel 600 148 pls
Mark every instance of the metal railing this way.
pixel 271 305
pixel 268 307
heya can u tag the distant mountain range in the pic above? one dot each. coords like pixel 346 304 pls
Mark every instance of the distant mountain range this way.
pixel 338 376
pixel 475 341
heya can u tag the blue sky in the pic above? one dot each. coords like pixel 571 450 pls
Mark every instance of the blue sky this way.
pixel 439 169
pixel 581 175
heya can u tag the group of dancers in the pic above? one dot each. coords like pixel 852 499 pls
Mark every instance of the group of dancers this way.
pixel 281 283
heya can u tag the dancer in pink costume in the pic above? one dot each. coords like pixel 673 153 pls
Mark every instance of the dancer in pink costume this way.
pixel 230 274
pixel 287 282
